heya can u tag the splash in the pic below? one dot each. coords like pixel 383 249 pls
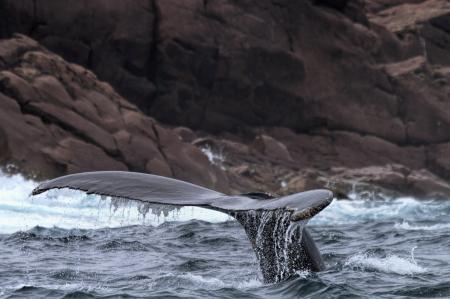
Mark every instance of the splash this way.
pixel 303 274
pixel 389 264
pixel 75 209
pixel 215 283
pixel 210 283
pixel 359 211
pixel 207 282
pixel 405 225
pixel 216 158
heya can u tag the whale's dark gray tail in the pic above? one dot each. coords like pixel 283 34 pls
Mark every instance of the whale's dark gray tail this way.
pixel 275 226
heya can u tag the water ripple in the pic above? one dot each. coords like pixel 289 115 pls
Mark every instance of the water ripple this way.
pixel 71 245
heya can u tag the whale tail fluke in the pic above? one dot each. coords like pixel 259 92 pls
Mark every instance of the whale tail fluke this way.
pixel 275 226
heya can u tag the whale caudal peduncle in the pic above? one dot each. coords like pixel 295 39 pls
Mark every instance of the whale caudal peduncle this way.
pixel 282 246
pixel 274 226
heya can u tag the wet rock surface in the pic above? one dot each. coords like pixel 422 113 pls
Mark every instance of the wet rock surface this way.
pixel 274 96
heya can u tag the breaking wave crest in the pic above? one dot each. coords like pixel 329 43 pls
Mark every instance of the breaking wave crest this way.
pixel 405 225
pixel 70 208
pixel 388 264
pixel 52 243
pixel 341 212
pixel 210 283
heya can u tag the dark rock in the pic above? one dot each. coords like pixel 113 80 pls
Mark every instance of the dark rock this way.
pixel 57 118
pixel 325 85
pixel 193 163
pixel 272 148
pixel 186 134
pixel 428 185
pixel 3 146
pixel 390 179
pixel 226 65
pixel 375 6
pixel 338 4
pixel 78 156
pixel 113 38
pixel 439 159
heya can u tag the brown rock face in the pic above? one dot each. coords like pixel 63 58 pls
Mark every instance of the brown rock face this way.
pixel 227 65
pixel 114 38
pixel 271 148
pixel 57 118
pixel 310 86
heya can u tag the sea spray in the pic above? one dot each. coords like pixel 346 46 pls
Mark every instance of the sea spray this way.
pixel 387 264
pixel 67 208
pixel 405 225
pixel 129 271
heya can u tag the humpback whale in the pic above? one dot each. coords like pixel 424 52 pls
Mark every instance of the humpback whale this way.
pixel 275 226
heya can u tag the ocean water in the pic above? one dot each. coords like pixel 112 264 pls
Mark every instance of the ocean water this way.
pixel 66 244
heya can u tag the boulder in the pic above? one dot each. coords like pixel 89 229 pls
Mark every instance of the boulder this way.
pixel 58 118
pixel 271 148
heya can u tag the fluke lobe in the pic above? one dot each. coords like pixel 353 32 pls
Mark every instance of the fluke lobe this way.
pixel 274 225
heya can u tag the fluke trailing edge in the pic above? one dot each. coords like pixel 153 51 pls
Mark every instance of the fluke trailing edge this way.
pixel 275 226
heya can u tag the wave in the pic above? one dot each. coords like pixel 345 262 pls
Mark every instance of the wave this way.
pixel 388 264
pixel 75 209
pixel 407 226
pixel 359 211
pixel 46 288
pixel 121 245
pixel 210 283
pixel 31 236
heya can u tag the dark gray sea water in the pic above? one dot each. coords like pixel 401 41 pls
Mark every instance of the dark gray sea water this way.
pixel 65 244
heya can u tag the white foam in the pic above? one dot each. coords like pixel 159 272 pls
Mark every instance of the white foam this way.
pixel 215 283
pixel 388 264
pixel 249 284
pixel 70 209
pixel 406 226
pixel 358 210
pixel 74 209
pixel 216 158
pixel 303 273
pixel 205 282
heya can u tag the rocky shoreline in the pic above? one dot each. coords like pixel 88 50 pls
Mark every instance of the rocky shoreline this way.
pixel 274 96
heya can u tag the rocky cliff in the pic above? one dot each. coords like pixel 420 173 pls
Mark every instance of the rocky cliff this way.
pixel 57 118
pixel 287 94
